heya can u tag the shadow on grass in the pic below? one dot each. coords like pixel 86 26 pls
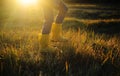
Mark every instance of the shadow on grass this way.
pixel 94 13
pixel 110 28
pixel 107 28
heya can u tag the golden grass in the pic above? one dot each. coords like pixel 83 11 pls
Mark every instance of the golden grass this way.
pixel 22 46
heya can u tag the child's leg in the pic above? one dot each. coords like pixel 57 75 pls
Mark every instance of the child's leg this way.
pixel 57 26
pixel 62 8
pixel 49 18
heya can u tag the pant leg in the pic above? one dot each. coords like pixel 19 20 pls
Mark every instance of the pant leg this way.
pixel 49 18
pixel 48 14
pixel 62 8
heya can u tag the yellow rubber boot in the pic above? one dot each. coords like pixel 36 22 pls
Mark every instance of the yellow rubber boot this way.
pixel 57 33
pixel 45 47
pixel 44 41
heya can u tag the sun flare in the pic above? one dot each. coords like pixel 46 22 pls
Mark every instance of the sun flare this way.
pixel 28 2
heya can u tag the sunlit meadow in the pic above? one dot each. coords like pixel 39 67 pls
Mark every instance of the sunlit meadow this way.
pixel 93 48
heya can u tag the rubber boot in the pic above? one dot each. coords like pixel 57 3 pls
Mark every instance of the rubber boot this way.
pixel 44 44
pixel 57 33
pixel 46 49
pixel 44 41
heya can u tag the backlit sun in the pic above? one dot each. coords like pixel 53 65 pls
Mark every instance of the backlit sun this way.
pixel 28 2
